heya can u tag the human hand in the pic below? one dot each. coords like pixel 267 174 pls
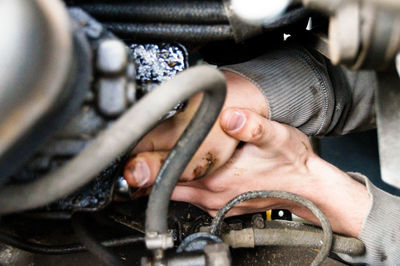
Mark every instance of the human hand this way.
pixel 277 157
pixel 149 154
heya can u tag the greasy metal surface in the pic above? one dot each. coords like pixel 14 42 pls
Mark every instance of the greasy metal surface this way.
pixel 388 121
pixel 157 63
pixel 154 63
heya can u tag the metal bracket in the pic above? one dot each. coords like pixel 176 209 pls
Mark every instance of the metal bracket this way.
pixel 156 240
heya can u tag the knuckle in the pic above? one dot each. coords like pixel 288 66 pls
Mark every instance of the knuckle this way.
pixel 257 131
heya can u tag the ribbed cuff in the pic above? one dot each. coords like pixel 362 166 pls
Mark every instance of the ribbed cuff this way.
pixel 296 86
pixel 380 230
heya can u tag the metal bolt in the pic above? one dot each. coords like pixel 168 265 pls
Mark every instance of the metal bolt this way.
pixel 112 56
pixel 258 221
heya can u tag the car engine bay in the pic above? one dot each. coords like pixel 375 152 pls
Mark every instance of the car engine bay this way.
pixel 84 80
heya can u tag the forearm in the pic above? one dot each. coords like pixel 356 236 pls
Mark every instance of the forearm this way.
pixel 305 91
pixel 380 229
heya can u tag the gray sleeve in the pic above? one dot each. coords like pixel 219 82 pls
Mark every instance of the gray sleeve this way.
pixel 381 228
pixel 303 90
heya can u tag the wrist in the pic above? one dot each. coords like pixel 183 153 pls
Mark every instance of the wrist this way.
pixel 242 93
pixel 343 200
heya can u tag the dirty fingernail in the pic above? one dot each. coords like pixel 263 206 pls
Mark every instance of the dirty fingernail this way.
pixel 141 173
pixel 235 121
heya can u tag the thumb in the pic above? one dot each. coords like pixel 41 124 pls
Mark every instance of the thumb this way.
pixel 247 126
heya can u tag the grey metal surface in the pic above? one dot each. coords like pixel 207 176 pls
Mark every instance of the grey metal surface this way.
pixel 35 61
pixel 388 121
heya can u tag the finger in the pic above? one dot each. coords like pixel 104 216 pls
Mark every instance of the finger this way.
pixel 141 170
pixel 248 126
pixel 164 136
pixel 191 195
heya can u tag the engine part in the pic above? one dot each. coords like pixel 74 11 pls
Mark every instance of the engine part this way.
pixel 362 34
pixel 89 120
pixel 327 236
pixel 213 84
pixel 111 144
pixel 43 67
pixel 287 233
pixel 197 242
pixel 388 120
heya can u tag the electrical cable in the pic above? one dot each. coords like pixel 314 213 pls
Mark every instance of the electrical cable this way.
pixel 63 249
pixel 115 140
pixel 326 227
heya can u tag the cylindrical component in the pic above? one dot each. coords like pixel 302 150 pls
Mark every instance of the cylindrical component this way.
pixel 35 61
pixel 114 141
pixel 159 11
pixel 176 32
pixel 212 82
pixel 279 237
pixel 285 237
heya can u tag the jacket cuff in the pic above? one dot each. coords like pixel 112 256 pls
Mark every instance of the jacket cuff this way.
pixel 296 86
pixel 380 229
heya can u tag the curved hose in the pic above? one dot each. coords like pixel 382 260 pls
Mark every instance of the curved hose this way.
pixel 183 151
pixel 112 142
pixel 326 226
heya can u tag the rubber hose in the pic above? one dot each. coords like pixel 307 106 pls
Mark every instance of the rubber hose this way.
pixel 326 226
pixel 176 32
pixel 161 11
pixel 113 142
pixel 63 249
pixel 182 153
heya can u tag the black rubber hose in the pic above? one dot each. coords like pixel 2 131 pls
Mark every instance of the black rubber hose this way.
pixel 63 249
pixel 95 247
pixel 326 226
pixel 184 149
pixel 198 12
pixel 176 32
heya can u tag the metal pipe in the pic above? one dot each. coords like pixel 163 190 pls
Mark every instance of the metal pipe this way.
pixel 113 142
pixel 265 194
